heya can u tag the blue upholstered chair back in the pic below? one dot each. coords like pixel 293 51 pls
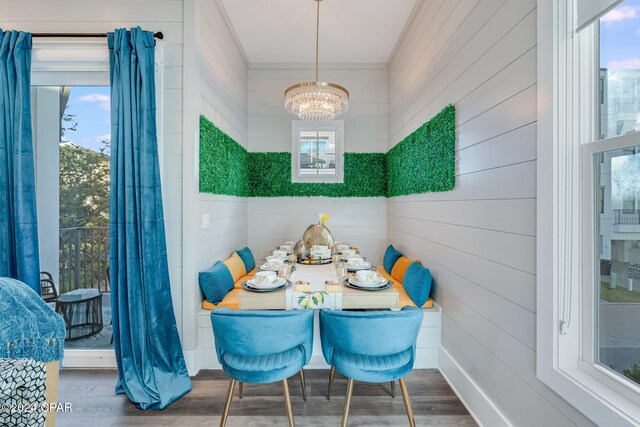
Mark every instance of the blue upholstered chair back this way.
pixel 370 333
pixel 262 332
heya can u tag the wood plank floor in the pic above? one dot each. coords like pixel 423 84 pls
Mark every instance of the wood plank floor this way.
pixel 90 393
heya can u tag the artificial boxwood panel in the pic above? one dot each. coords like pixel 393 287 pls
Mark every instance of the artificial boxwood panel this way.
pixel 422 162
pixel 223 162
pixel 425 160
pixel 270 176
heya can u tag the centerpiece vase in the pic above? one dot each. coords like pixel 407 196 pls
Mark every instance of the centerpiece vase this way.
pixel 318 234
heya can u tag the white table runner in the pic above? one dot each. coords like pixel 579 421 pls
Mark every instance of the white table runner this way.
pixel 318 297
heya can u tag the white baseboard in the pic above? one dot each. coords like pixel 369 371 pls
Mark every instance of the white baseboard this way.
pixel 89 359
pixel 483 411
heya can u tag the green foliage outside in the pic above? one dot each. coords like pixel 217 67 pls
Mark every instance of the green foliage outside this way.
pixel 84 187
pixel 422 162
pixel 618 294
pixel 633 373
pixel 84 217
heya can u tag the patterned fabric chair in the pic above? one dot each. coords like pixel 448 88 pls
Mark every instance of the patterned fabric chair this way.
pixel 22 383
pixel 262 346
pixel 371 346
pixel 32 345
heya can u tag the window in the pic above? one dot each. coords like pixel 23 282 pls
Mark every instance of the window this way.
pixel 617 285
pixel 317 151
pixel 588 282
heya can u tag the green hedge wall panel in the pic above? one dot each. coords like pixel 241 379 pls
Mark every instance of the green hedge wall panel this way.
pixel 223 162
pixel 425 160
pixel 270 176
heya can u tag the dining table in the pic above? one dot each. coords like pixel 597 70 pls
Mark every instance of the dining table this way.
pixel 322 289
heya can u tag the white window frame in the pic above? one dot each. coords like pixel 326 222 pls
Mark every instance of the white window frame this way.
pixel 298 126
pixel 567 82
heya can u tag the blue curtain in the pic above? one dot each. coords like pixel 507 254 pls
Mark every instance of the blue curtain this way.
pixel 151 367
pixel 19 256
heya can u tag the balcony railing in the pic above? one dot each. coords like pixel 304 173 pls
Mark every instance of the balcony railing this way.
pixel 84 258
pixel 626 216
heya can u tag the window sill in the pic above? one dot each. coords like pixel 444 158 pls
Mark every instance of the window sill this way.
pixel 595 399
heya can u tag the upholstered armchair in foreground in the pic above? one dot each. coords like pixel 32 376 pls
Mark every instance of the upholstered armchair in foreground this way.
pixel 262 346
pixel 371 346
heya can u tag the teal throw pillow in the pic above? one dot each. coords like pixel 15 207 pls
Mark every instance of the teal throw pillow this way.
pixel 391 255
pixel 417 283
pixel 247 258
pixel 216 282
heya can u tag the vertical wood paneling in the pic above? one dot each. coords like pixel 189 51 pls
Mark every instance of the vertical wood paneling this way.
pixel 479 239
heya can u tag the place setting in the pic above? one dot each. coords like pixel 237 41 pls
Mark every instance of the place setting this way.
pixel 357 263
pixel 367 280
pixel 279 259
pixel 266 281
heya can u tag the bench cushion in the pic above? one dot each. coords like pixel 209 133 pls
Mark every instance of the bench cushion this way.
pixel 230 301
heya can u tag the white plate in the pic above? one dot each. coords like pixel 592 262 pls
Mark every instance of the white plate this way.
pixel 265 267
pixel 272 257
pixel 364 266
pixel 356 282
pixel 275 284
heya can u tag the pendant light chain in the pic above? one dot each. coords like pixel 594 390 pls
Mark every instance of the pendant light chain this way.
pixel 316 101
pixel 317 36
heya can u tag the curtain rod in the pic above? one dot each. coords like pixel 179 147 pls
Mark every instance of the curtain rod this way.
pixel 157 35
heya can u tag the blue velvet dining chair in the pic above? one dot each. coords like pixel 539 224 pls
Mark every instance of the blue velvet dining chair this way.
pixel 371 346
pixel 262 346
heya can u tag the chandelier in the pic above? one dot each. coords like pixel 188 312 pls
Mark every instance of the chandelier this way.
pixel 316 101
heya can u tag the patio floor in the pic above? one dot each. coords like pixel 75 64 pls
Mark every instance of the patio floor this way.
pixel 101 340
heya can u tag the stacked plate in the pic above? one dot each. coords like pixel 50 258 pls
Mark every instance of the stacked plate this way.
pixel 266 267
pixel 379 285
pixel 364 266
pixel 255 286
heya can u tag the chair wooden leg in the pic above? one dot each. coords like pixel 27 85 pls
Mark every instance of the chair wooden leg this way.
pixel 332 374
pixel 240 389
pixel 287 402
pixel 347 403
pixel 407 403
pixel 227 404
pixel 304 386
pixel 393 389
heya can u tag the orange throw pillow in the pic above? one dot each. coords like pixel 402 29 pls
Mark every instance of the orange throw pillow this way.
pixel 236 266
pixel 400 267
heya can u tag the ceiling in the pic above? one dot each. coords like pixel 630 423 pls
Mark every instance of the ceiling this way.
pixel 351 31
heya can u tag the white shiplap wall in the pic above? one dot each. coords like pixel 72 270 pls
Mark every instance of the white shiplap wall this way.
pixel 223 100
pixel 89 16
pixel 359 221
pixel 218 83
pixel 479 239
